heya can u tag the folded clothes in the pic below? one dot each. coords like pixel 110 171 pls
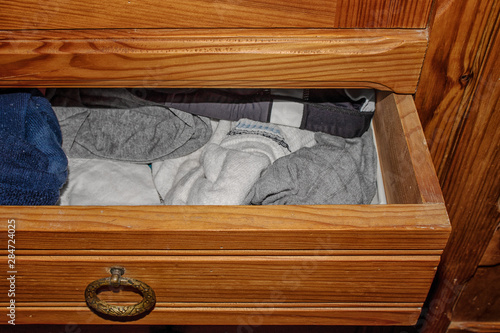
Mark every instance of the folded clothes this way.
pixel 97 182
pixel 267 159
pixel 33 166
pixel 341 112
pixel 334 171
pixel 229 165
pixel 168 173
pixel 118 126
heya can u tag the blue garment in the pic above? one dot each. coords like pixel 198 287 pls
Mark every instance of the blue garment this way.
pixel 33 166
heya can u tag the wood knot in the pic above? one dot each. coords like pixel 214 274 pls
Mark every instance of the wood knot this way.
pixel 466 77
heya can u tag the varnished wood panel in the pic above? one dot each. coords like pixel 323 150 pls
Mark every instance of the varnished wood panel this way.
pixel 474 327
pixel 119 299
pixel 292 329
pixel 409 174
pixel 382 13
pixel 244 319
pixel 253 328
pixel 451 67
pixel 229 279
pixel 480 300
pixel 95 14
pixel 382 59
pixel 317 252
pixel 70 327
pixel 371 227
pixel 491 256
pixel 471 183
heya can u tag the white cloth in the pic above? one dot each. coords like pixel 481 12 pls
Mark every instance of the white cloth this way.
pixel 104 182
pixel 225 169
pixel 169 173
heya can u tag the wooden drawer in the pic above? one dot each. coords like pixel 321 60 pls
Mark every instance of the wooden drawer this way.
pixel 207 284
pixel 255 265
pixel 95 14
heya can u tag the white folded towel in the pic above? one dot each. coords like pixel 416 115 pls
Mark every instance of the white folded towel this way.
pixel 104 182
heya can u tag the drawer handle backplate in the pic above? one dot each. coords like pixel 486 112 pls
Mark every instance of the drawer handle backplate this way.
pixel 116 280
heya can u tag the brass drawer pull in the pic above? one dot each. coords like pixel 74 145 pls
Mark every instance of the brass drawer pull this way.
pixel 116 280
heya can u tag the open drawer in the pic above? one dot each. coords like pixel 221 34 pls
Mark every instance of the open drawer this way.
pixel 244 265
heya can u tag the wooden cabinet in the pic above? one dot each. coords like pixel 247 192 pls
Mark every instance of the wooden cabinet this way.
pixel 338 265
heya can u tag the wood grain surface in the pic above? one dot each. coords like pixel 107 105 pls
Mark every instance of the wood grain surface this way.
pixel 474 327
pixel 382 59
pixel 409 174
pixel 371 227
pixel 95 14
pixel 451 67
pixel 232 279
pixel 491 256
pixel 243 319
pixel 470 176
pixel 479 302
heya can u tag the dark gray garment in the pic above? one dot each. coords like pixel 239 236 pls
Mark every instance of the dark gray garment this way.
pixel 142 134
pixel 335 171
pixel 329 111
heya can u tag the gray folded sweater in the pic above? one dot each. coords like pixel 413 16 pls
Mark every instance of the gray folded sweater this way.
pixel 121 127
pixel 334 171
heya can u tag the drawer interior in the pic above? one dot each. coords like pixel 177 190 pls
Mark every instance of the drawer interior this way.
pixel 123 153
pixel 285 264
pixel 414 217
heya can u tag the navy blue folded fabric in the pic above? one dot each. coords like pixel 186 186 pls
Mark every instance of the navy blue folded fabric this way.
pixel 33 166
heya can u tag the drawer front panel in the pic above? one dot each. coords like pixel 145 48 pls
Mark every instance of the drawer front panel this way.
pixel 96 14
pixel 247 318
pixel 223 228
pixel 232 279
pixel 346 58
